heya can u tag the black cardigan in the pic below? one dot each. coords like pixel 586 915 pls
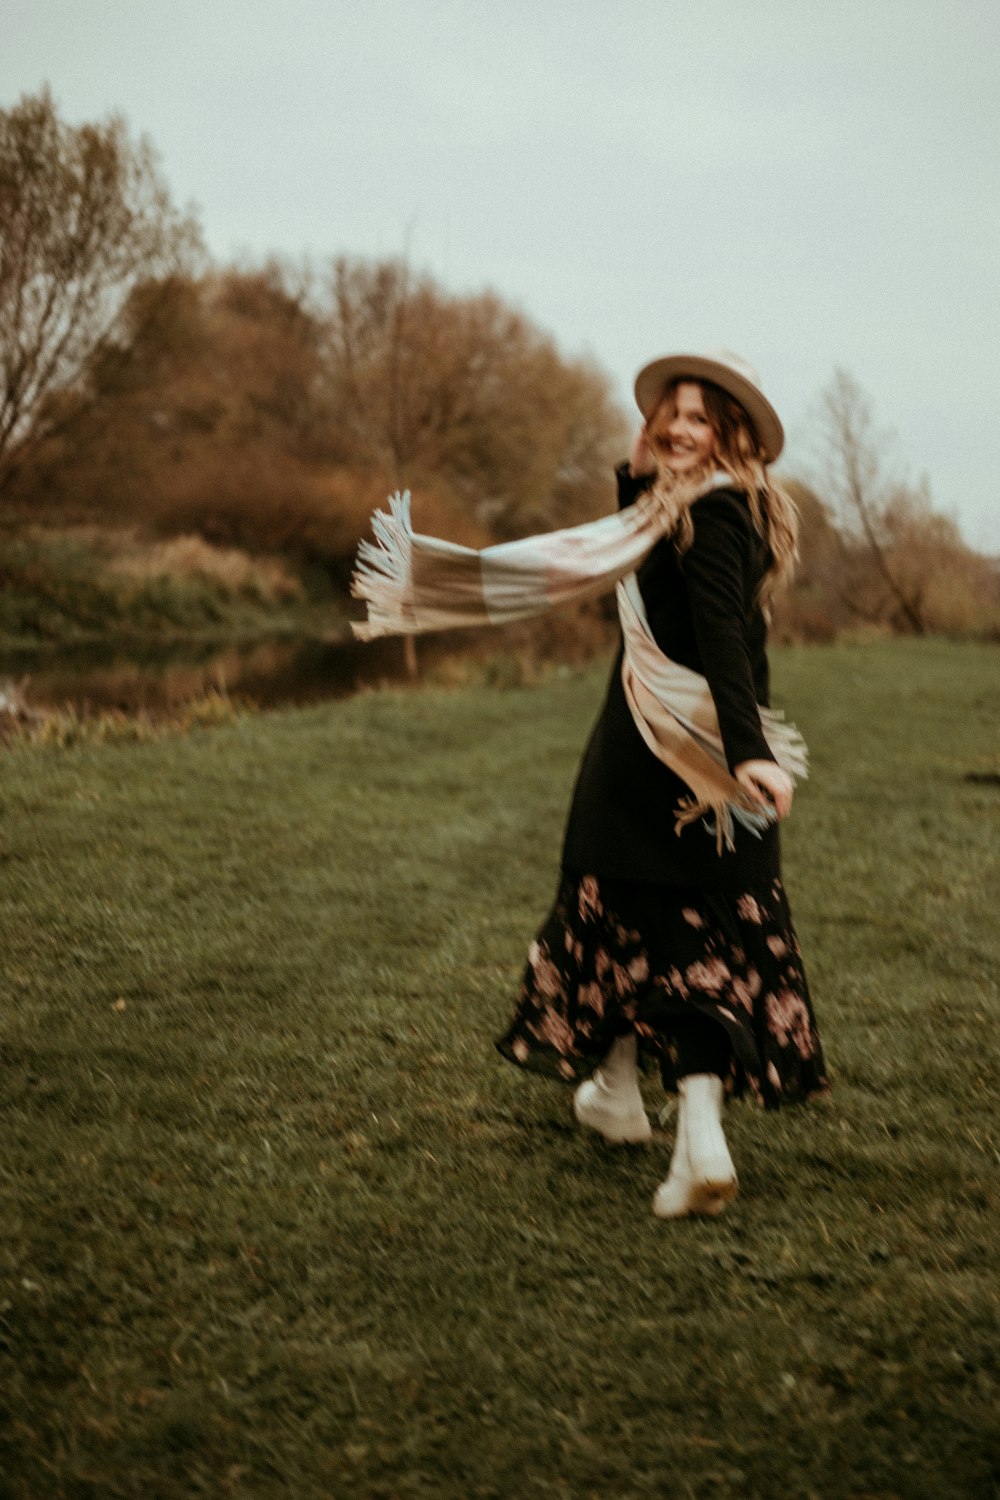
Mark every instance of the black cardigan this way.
pixel 703 613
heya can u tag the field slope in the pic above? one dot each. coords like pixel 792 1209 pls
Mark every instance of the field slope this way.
pixel 276 1220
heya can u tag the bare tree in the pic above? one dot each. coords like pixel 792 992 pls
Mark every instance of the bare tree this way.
pixel 466 389
pixel 867 501
pixel 84 219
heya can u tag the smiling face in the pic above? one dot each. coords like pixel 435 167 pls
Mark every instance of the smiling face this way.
pixel 679 432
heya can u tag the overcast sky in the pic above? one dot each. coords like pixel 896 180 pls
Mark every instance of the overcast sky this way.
pixel 811 184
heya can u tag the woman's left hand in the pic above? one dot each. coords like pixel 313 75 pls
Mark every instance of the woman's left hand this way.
pixel 768 784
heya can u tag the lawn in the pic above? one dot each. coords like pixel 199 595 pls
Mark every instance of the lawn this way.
pixel 277 1221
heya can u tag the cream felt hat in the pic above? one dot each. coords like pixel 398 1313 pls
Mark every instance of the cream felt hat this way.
pixel 724 369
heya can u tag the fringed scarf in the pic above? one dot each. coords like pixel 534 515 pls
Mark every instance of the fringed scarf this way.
pixel 412 584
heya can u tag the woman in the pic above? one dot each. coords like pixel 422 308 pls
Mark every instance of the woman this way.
pixel 669 936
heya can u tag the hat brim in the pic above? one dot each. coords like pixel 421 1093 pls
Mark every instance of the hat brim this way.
pixel 653 379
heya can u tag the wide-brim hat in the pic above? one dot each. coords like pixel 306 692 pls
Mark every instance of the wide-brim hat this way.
pixel 724 369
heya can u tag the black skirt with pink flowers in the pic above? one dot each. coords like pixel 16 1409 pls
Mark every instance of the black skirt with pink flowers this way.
pixel 615 956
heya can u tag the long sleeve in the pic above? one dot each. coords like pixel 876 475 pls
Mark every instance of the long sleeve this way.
pixel 720 577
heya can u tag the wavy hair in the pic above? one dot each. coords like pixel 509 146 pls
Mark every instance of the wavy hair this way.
pixel 738 453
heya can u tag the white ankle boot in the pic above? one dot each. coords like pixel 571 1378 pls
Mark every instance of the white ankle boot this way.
pixel 702 1178
pixel 610 1102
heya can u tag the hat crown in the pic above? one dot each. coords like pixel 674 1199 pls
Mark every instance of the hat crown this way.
pixel 739 366
pixel 723 368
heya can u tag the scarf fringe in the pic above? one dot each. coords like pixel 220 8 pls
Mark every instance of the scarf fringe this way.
pixel 787 745
pixel 719 817
pixel 384 573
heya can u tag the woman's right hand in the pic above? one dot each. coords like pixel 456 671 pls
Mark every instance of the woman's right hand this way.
pixel 768 783
pixel 641 460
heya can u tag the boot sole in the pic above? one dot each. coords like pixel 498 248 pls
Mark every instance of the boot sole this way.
pixel 716 1192
pixel 704 1199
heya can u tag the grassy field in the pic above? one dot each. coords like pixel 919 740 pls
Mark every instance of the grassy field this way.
pixel 276 1220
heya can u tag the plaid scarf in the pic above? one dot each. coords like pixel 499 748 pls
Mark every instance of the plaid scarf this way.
pixel 412 584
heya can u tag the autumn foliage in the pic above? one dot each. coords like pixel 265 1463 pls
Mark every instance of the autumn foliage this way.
pixel 271 408
pixel 275 413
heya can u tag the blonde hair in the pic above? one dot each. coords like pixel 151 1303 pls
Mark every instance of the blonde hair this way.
pixel 737 451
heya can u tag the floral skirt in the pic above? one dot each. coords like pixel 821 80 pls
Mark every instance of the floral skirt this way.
pixel 615 956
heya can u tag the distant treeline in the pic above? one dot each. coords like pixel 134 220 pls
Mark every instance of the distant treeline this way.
pixel 273 411
pixel 270 408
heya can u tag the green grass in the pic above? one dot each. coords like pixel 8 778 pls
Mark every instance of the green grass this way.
pixel 276 1220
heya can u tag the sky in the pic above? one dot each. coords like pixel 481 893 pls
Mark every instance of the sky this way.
pixel 813 185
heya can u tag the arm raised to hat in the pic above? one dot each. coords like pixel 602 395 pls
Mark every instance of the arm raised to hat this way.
pixel 637 473
pixel 641 461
